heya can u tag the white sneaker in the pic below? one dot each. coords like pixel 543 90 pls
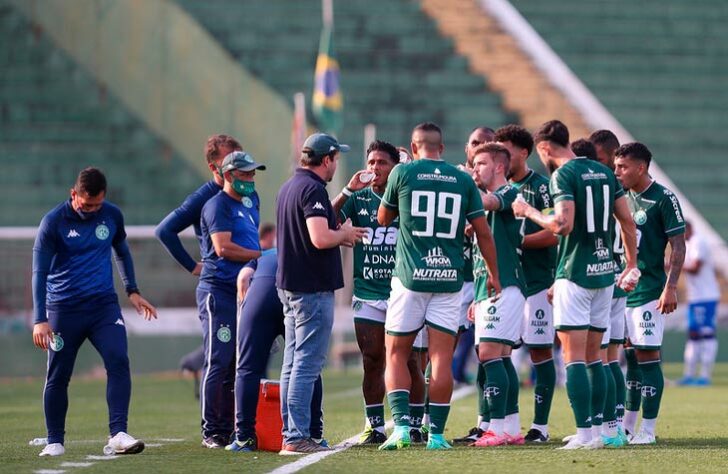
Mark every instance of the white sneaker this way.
pixel 576 443
pixel 53 449
pixel 123 443
pixel 566 439
pixel 643 437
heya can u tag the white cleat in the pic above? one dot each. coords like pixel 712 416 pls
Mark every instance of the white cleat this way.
pixel 53 449
pixel 643 437
pixel 38 442
pixel 123 443
pixel 568 438
pixel 576 443
pixel 597 443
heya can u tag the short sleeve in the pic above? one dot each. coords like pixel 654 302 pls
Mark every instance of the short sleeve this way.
pixel 216 218
pixel 390 200
pixel 561 187
pixel 672 218
pixel 475 204
pixel 315 202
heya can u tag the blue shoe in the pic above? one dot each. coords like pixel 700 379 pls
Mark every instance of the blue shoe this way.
pixel 399 439
pixel 437 441
pixel 701 382
pixel 613 442
pixel 248 444
pixel 321 442
pixel 686 381
pixel 622 435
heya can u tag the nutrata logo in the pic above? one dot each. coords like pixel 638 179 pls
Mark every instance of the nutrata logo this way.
pixel 436 258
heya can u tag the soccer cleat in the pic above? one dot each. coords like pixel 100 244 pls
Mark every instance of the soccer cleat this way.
pixel 122 443
pixel 425 430
pixel 597 442
pixel 535 435
pixel 372 436
pixel 622 435
pixel 416 436
pixel 214 442
pixel 304 446
pixel 642 438
pixel 612 442
pixel 53 449
pixel 687 380
pixel 491 439
pixel 701 382
pixel 516 439
pixel 576 443
pixel 471 437
pixel 248 444
pixel 568 438
pixel 399 439
pixel 437 441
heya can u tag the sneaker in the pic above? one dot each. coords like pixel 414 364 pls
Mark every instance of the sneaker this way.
pixel 122 443
pixel 686 381
pixel 576 443
pixel 321 442
pixel 701 382
pixel 304 446
pixel 516 439
pixel 643 437
pixel 535 435
pixel 437 441
pixel 471 437
pixel 491 439
pixel 399 439
pixel 214 442
pixel 372 436
pixel 416 436
pixel 53 449
pixel 248 444
pixel 612 442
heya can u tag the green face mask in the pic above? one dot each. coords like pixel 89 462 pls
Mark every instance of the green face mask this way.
pixel 244 188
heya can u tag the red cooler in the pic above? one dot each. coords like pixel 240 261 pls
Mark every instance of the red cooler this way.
pixel 268 423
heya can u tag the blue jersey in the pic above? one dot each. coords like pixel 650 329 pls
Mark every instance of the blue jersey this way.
pixel 222 213
pixel 72 259
pixel 188 214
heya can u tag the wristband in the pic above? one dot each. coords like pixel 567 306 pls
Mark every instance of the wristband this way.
pixel 131 291
pixel 346 191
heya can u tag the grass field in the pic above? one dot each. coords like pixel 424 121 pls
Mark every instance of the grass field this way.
pixel 691 434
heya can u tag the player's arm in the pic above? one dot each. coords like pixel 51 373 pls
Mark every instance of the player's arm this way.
pixel 628 232
pixel 244 277
pixel 125 267
pixel 225 248
pixel 42 333
pixel 491 201
pixel 322 237
pixel 540 240
pixel 486 244
pixel 668 299
pixel 561 222
pixel 167 232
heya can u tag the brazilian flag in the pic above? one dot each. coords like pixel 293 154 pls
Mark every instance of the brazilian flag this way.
pixel 327 100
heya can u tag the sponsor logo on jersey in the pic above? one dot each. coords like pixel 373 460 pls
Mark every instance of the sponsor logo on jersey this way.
pixel 381 235
pixel 436 175
pixel 603 268
pixel 102 232
pixel 72 233
pixel 640 217
pixel 224 334
pixel 57 343
pixel 363 212
pixel 675 205
pixel 247 202
pixel 601 252
pixel 318 206
pixel 593 175
pixel 436 258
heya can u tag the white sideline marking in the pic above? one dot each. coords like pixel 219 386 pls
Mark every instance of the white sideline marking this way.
pixel 49 471
pixel 306 461
pixel 169 440
pixel 77 464
pixel 153 445
pixel 92 457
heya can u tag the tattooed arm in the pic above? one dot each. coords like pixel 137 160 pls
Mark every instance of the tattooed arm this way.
pixel 668 300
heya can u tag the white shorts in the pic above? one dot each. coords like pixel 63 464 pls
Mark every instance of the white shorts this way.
pixel 645 326
pixel 538 321
pixel 369 311
pixel 615 333
pixel 466 294
pixel 422 340
pixel 410 310
pixel 576 307
pixel 500 321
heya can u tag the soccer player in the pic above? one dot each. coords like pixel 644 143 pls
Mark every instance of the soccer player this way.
pixel 229 225
pixel 585 148
pixel 433 199
pixel 703 297
pixel 585 194
pixel 656 211
pixel 499 318
pixel 74 300
pixel 538 258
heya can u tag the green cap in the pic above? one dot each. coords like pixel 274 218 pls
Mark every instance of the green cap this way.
pixel 323 144
pixel 239 160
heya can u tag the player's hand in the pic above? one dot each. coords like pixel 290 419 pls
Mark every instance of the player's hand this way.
pixel 629 282
pixel 550 295
pixel 198 269
pixel 493 287
pixel 668 300
pixel 355 183
pixel 352 234
pixel 244 277
pixel 143 307
pixel 471 312
pixel 42 335
pixel 520 208
pixel 469 231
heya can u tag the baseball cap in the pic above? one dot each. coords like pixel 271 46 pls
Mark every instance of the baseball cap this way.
pixel 323 144
pixel 239 160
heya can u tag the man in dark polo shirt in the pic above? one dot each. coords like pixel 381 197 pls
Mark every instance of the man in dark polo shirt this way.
pixel 309 270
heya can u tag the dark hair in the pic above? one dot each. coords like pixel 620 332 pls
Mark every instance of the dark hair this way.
pixel 90 181
pixel 484 129
pixel 213 144
pixel 309 157
pixel 386 147
pixel 266 228
pixel 517 135
pixel 429 127
pixel 583 147
pixel 635 151
pixel 605 139
pixel 497 152
pixel 553 131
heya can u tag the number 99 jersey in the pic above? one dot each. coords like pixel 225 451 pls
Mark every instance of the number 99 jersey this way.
pixel 585 255
pixel 434 200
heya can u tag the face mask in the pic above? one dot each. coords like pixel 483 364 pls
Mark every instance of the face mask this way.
pixel 244 188
pixel 86 215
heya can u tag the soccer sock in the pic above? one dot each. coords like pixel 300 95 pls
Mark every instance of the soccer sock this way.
pixel 438 417
pixel 399 406
pixel 375 416
pixel 691 356
pixel 648 425
pixel 598 384
pixel 633 382
pixel 708 353
pixel 543 392
pixel 483 409
pixel 512 424
pixel 497 426
pixel 496 388
pixel 513 387
pixel 620 390
pixel 417 412
pixel 579 392
pixel 609 426
pixel 652 386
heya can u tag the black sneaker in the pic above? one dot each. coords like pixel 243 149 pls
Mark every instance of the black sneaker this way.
pixel 416 436
pixel 372 436
pixel 471 437
pixel 535 436
pixel 215 441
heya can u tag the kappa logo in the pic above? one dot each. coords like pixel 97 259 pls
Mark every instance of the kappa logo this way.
pixel 363 212
pixel 72 233
pixel 120 322
pixel 540 332
pixel 490 326
pixel 318 206
pixel 240 214
pixel 648 391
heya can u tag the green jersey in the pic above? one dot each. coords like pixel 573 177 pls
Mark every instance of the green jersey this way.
pixel 618 251
pixel 434 199
pixel 585 255
pixel 508 236
pixel 539 265
pixel 374 257
pixel 468 245
pixel 658 216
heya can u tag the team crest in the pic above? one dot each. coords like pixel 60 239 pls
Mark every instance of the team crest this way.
pixel 224 334
pixel 57 343
pixel 640 217
pixel 247 202
pixel 102 232
pixel 357 305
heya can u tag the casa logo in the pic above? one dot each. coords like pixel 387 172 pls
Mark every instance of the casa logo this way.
pixel 646 316
pixel 648 391
pixel 57 343
pixel 640 217
pixel 540 314
pixel 380 235
pixel 436 258
pixel 247 202
pixel 224 334
pixel 102 232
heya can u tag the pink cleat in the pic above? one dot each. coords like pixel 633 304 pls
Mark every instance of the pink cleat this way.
pixel 515 440
pixel 491 439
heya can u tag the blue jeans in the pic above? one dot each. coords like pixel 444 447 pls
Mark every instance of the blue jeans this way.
pixel 309 318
